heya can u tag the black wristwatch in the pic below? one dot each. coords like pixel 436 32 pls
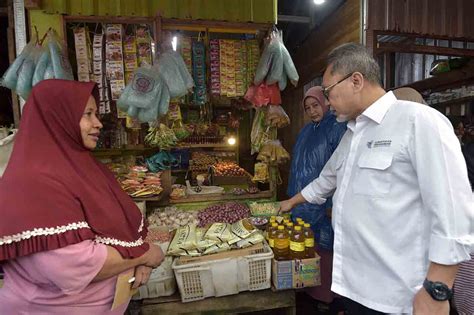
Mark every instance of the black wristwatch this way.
pixel 438 290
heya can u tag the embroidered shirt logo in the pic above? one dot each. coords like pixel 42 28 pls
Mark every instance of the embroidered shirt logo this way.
pixel 379 144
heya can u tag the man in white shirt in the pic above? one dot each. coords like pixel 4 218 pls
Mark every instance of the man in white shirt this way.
pixel 402 207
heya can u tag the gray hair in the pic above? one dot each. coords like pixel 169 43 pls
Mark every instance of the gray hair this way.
pixel 352 57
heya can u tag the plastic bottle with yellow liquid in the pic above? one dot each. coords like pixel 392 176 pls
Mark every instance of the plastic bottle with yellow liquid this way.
pixel 267 230
pixel 289 228
pixel 281 244
pixel 297 243
pixel 309 241
pixel 272 234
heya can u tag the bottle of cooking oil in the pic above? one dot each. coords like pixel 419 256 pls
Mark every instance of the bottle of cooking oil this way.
pixel 271 234
pixel 281 244
pixel 309 241
pixel 289 228
pixel 297 243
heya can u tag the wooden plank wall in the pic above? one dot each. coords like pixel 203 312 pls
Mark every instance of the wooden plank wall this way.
pixel 445 18
pixel 341 27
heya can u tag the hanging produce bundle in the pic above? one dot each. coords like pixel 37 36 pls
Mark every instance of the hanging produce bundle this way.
pixel 273 153
pixel 161 137
pixel 276 65
pixel 275 116
pixel 36 63
pixel 260 133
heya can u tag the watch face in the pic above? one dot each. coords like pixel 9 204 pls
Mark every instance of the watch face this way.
pixel 440 291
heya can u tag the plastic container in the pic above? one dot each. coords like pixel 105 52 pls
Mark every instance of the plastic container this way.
pixel 281 244
pixel 297 244
pixel 309 241
pixel 272 234
pixel 162 282
pixel 230 274
pixel 289 228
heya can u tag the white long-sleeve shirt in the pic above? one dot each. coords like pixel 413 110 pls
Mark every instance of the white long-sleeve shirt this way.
pixel 401 199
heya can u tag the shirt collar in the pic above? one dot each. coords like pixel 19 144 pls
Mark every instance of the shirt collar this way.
pixel 379 108
pixel 376 111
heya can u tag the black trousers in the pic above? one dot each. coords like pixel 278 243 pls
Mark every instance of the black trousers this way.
pixel 354 308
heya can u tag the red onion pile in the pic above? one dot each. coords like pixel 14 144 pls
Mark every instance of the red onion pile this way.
pixel 223 213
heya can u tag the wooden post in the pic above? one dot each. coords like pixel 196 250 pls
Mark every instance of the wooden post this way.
pixel 11 58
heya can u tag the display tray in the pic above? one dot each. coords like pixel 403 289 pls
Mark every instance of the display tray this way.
pixel 151 198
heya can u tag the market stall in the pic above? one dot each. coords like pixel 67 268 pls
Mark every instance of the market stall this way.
pixel 191 112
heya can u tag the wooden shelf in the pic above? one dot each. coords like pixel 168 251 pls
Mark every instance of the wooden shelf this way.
pixel 222 197
pixel 120 152
pixel 154 198
pixel 456 101
pixel 206 145
pixel 446 80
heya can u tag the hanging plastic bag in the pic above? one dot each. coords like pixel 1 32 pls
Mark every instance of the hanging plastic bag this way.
pixel 144 91
pixel 43 61
pixel 263 94
pixel 276 116
pixel 289 67
pixel 49 72
pixel 10 77
pixel 276 70
pixel 169 71
pixel 25 73
pixel 183 70
pixel 265 62
pixel 273 153
pixel 59 60
pixel 164 105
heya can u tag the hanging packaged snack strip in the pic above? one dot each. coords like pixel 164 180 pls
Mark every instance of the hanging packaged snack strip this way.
pixel 98 69
pixel 114 61
pixel 144 45
pixel 83 57
pixel 199 72
pixel 215 67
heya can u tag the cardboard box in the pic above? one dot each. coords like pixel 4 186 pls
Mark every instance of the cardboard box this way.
pixel 296 274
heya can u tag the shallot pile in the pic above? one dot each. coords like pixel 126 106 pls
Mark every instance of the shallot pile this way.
pixel 223 213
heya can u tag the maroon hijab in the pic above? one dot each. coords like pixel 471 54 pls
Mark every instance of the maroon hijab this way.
pixel 53 192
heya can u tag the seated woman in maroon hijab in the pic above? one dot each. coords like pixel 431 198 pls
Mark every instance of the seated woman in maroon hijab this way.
pixel 67 230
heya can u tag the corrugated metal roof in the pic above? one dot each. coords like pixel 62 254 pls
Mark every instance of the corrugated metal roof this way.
pixel 259 11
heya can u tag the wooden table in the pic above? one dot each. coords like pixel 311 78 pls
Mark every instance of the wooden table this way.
pixel 244 302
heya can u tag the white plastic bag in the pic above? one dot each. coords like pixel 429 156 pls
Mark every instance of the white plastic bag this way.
pixel 59 60
pixel 10 77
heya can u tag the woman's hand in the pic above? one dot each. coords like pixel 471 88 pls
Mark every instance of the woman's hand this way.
pixel 142 275
pixel 153 257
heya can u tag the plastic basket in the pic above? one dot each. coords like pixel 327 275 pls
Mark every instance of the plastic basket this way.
pixel 224 276
pixel 162 282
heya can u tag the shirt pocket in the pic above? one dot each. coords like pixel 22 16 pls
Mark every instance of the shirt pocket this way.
pixel 373 176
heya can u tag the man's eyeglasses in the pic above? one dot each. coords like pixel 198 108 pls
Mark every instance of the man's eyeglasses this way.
pixel 326 90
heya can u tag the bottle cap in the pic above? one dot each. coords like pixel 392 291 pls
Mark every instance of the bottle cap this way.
pixel 306 225
pixel 274 224
pixel 281 227
pixel 297 228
